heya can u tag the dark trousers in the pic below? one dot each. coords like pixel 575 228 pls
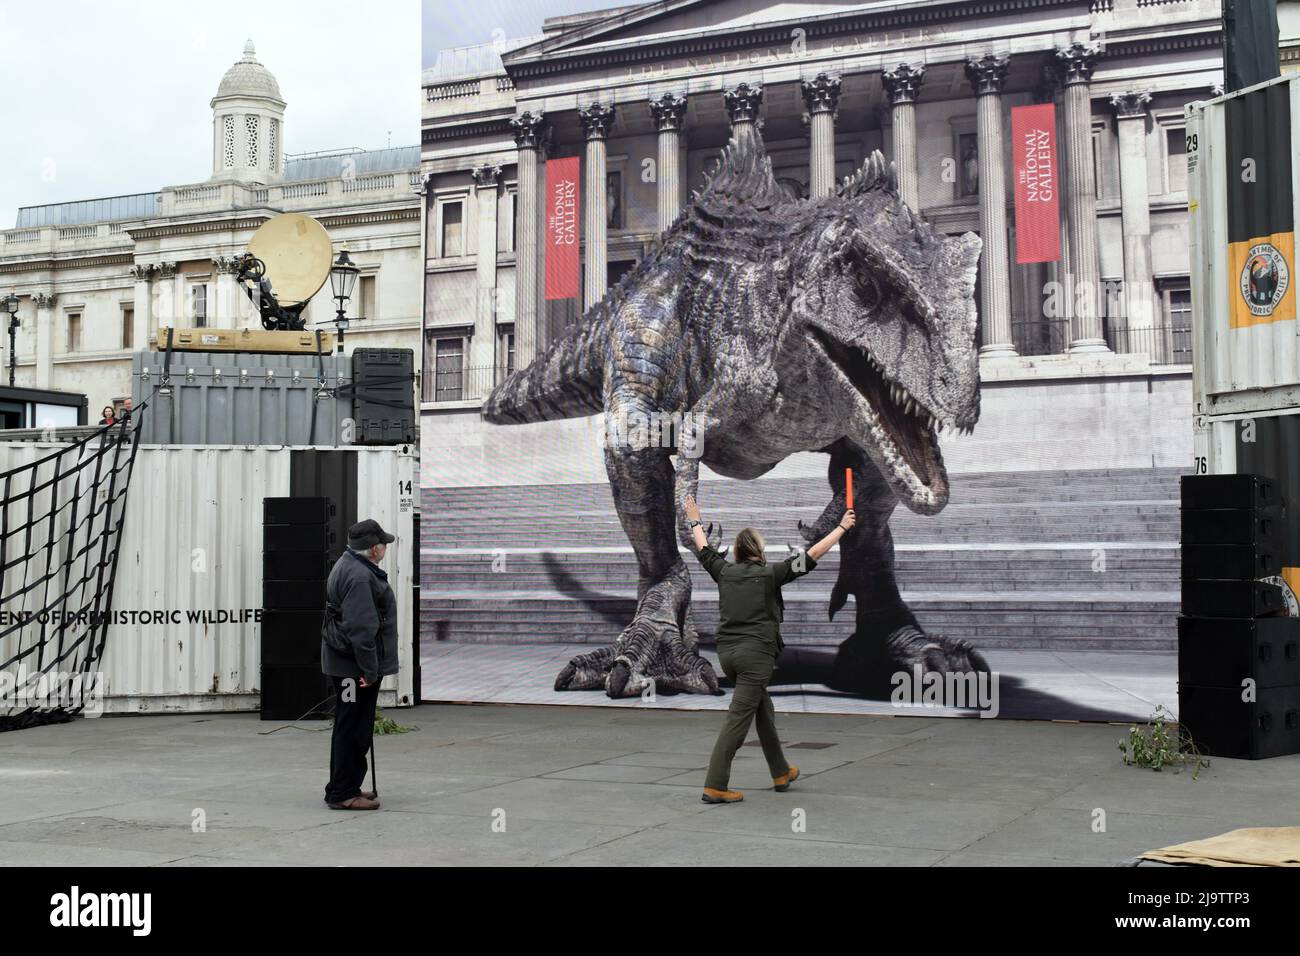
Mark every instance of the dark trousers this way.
pixel 354 730
pixel 749 664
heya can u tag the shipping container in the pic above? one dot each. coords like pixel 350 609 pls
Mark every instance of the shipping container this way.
pixel 1243 204
pixel 1239 368
pixel 189 565
pixel 238 398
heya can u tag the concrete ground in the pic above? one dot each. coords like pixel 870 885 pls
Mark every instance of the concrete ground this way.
pixel 572 786
pixel 1106 684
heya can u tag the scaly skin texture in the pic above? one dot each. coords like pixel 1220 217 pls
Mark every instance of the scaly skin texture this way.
pixel 842 324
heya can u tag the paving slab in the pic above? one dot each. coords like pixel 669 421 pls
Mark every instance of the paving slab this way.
pixel 583 785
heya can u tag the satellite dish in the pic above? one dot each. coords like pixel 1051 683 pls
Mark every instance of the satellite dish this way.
pixel 297 253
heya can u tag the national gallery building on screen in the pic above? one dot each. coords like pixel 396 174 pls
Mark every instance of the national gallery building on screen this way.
pixel 646 97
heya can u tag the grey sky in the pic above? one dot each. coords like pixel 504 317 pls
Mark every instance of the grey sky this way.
pixel 106 97
pixel 452 23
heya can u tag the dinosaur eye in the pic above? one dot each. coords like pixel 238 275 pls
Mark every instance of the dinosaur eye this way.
pixel 868 291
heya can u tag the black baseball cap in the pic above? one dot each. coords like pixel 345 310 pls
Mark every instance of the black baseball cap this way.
pixel 367 534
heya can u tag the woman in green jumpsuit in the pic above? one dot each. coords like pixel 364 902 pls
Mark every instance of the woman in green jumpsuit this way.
pixel 750 611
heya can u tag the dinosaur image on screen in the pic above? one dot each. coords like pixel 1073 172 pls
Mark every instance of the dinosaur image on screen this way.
pixel 841 324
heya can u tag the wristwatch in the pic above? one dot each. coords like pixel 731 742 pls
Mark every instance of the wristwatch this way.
pixel 694 523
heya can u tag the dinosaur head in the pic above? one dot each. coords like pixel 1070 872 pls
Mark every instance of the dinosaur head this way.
pixel 885 306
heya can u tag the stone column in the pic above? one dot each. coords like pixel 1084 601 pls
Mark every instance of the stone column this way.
pixel 743 102
pixel 987 75
pixel 140 319
pixel 483 345
pixel 1074 65
pixel 669 115
pixel 224 313
pixel 821 94
pixel 1139 300
pixel 44 337
pixel 531 131
pixel 597 119
pixel 168 312
pixel 902 86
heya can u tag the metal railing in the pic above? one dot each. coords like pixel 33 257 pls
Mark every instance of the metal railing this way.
pixel 461 384
pixel 1041 336
pixel 1164 344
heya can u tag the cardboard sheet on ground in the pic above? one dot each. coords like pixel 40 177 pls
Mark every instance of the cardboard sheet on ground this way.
pixel 1251 846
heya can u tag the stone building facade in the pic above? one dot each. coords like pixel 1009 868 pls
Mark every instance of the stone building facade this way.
pixel 648 95
pixel 96 279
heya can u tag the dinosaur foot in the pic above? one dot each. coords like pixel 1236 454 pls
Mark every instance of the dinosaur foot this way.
pixel 641 661
pixel 652 655
pixel 868 666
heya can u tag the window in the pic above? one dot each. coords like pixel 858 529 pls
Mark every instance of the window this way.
pixel 968 165
pixel 128 326
pixel 506 349
pixel 615 271
pixel 1178 306
pixel 514 221
pixel 366 297
pixel 199 305
pixel 1176 151
pixel 74 332
pixel 1111 309
pixel 250 138
pixel 449 369
pixel 453 232
pixel 228 141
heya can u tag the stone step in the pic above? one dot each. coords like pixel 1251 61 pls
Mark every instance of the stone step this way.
pixel 432 582
pixel 1009 563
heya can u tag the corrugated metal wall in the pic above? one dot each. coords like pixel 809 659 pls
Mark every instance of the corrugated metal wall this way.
pixel 1255 363
pixel 191 549
pixel 222 398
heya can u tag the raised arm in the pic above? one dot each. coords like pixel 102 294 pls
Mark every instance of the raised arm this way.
pixel 828 542
pixel 692 510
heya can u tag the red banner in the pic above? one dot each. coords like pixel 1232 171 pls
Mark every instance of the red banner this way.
pixel 1038 217
pixel 562 209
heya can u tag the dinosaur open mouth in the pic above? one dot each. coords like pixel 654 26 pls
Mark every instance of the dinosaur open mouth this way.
pixel 903 429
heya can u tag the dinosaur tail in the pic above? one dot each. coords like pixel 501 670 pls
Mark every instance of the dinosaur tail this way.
pixel 565 381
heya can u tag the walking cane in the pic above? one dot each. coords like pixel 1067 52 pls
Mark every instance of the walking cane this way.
pixel 374 787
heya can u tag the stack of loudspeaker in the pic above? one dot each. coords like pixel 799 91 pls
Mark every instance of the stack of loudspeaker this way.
pixel 1238 672
pixel 299 544
pixel 383 382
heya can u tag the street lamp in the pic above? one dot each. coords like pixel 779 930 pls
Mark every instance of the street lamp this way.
pixel 343 276
pixel 11 306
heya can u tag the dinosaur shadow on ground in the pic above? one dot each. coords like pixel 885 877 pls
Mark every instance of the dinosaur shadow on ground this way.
pixel 815 665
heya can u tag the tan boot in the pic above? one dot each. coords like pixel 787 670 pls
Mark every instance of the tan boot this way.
pixel 359 802
pixel 721 796
pixel 782 783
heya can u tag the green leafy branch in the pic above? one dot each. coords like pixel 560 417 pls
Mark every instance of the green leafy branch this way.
pixel 1162 742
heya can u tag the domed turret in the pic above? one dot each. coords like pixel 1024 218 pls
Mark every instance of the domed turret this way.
pixel 248 123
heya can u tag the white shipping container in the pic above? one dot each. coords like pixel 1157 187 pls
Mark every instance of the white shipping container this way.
pixel 1243 372
pixel 192 543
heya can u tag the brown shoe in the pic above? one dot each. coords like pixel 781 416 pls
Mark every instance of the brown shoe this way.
pixel 721 796
pixel 359 802
pixel 370 794
pixel 782 783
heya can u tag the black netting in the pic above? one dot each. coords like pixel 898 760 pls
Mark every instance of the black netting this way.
pixel 60 527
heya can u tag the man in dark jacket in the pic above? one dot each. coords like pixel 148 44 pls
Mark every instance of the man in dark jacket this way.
pixel 363 611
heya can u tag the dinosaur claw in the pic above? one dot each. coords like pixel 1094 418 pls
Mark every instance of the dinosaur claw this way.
pixel 619 675
pixel 565 677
